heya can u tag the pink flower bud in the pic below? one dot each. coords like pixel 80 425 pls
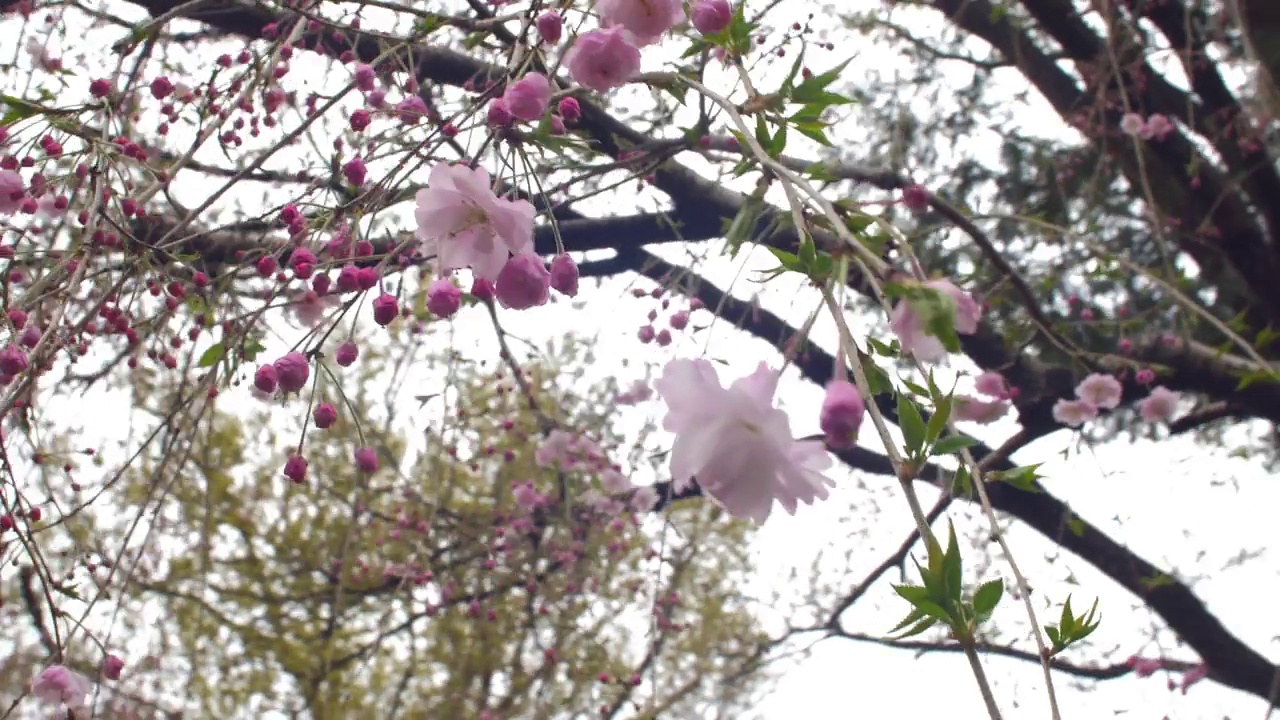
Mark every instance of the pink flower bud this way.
pixel 570 110
pixel 111 667
pixel 265 379
pixel 564 275
pixel 366 460
pixel 293 371
pixel 710 16
pixel 550 27
pixel 325 416
pixel 13 360
pixel 523 283
pixel 346 354
pixel 385 309
pixel 295 468
pixel 443 298
pixel 841 414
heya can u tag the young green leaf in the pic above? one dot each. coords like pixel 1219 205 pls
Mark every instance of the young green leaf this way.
pixel 987 597
pixel 912 424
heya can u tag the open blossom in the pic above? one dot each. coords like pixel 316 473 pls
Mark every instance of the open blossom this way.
pixel 644 498
pixel 991 384
pixel 57 685
pixel 909 325
pixel 970 409
pixel 736 444
pixel 528 97
pixel 603 59
pixel 1074 412
pixel 614 482
pixel 646 20
pixel 465 224
pixel 311 308
pixel 637 393
pixel 1100 391
pixel 1132 124
pixel 1159 405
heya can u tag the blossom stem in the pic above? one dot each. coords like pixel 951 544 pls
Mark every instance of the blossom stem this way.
pixel 984 686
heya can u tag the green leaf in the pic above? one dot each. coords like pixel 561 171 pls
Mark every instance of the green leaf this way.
pixel 815 87
pixel 814 131
pixel 915 616
pixel 789 261
pixel 952 566
pixel 789 82
pixel 938 421
pixel 919 628
pixel 987 597
pixel 913 594
pixel 912 424
pixel 953 444
pixel 212 356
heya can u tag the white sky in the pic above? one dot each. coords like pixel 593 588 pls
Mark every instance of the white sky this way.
pixel 1186 509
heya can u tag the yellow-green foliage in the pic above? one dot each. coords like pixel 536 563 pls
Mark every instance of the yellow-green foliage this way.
pixel 251 588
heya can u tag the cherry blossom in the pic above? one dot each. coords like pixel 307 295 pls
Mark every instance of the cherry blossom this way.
pixel 1160 405
pixel 983 412
pixel 910 326
pixel 991 384
pixel 603 59
pixel 1074 412
pixel 465 224
pixel 736 444
pixel 646 20
pixel 1100 390
pixel 58 685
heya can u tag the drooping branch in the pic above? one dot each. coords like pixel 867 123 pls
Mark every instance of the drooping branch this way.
pixel 1232 662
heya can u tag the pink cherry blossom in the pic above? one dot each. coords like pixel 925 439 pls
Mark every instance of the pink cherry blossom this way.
pixel 465 224
pixel 983 412
pixel 637 393
pixel 910 328
pixel 1193 676
pixel 12 192
pixel 1100 390
pixel 57 685
pixel 991 384
pixel 603 59
pixel 646 20
pixel 1132 124
pixel 528 97
pixel 1159 126
pixel 311 308
pixel 644 498
pixel 1145 667
pixel 614 482
pixel 1074 412
pixel 1160 405
pixel 736 444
